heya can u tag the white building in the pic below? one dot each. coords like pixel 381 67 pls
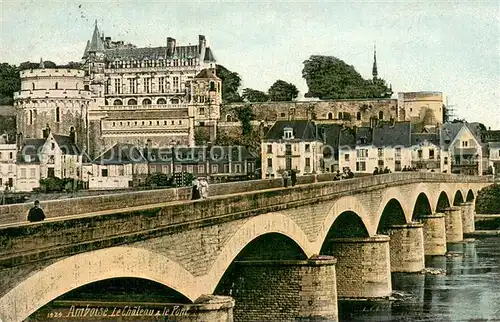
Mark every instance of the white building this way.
pixel 462 149
pixel 291 145
pixel 426 152
pixel 8 169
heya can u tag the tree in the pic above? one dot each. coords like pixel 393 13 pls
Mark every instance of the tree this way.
pixel 328 77
pixel 10 82
pixel 282 91
pixel 253 95
pixel 159 179
pixel 231 83
pixel 245 115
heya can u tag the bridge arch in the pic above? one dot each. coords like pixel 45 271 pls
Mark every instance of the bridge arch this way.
pixel 269 223
pixel 470 196
pixel 458 199
pixel 422 206
pixel 70 273
pixel 394 193
pixel 347 225
pixel 443 202
pixel 393 214
pixel 344 204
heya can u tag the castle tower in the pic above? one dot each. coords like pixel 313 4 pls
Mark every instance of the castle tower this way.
pixel 374 69
pixel 94 64
pixel 52 98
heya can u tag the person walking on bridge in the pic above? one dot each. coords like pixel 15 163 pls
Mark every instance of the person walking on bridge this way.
pixel 293 177
pixel 36 213
pixel 285 178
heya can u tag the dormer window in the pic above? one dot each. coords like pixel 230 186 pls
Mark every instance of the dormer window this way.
pixel 288 133
pixel 27 158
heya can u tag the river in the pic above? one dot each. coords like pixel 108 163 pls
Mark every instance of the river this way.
pixel 468 291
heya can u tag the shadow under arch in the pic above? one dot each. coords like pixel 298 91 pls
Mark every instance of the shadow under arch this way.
pixel 56 279
pixel 422 207
pixel 458 199
pixel 347 225
pixel 443 202
pixel 470 196
pixel 393 214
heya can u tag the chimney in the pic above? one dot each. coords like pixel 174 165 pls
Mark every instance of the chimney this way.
pixel 170 46
pixel 46 131
pixel 201 42
pixel 72 135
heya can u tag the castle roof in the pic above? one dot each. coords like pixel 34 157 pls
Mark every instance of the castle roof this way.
pixel 96 44
pixel 86 52
pixel 397 134
pixel 180 52
pixel 303 130
pixel 121 153
pixel 66 144
pixel 209 56
pixel 207 73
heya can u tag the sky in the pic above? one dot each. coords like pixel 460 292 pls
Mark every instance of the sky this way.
pixel 451 47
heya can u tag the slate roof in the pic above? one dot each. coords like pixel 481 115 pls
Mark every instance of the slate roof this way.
pixel 194 155
pixel 417 138
pixel 209 56
pixel 190 51
pixel 365 133
pixel 303 130
pixel 448 133
pixel 96 43
pixel 66 144
pixel 397 134
pixel 207 73
pixel 492 136
pixel 347 138
pixel 121 153
pixel 331 134
pixel 31 148
pixel 147 115
pixel 86 51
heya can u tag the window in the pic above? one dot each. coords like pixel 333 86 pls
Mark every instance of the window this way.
pixel 132 84
pixel 361 166
pixel 117 102
pixel 189 169
pixel 164 169
pixel 23 173
pixel 346 157
pixel 269 148
pixel 445 160
pixel 104 172
pixel 10 168
pixel 31 117
pixel 11 155
pixel 465 144
pixel 380 152
pixel 53 146
pixel 176 82
pixel 212 86
pixel 237 168
pixel 420 154
pixel 308 148
pixel 330 116
pixel 57 114
pixel 202 111
pixel 397 153
pixel 362 153
pixel 269 162
pixel 118 87
pixel 380 163
pixel 358 116
pixel 226 168
pixel 121 170
pixel 381 115
pixel 201 169
pixel 397 165
pixel 215 168
pixel 431 154
pixel 147 85
pixel 146 101
pixel 308 162
pixel 340 116
pixel 161 84
pixel 57 85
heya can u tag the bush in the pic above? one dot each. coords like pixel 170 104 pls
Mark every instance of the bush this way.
pixel 51 184
pixel 488 200
pixel 158 179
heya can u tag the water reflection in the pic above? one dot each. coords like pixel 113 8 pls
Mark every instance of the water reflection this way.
pixel 470 290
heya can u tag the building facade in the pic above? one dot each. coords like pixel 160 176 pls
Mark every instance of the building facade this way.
pixel 8 167
pixel 292 145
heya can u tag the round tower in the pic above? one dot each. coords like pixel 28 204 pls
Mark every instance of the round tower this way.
pixel 55 97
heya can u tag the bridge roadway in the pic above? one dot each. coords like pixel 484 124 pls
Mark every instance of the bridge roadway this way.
pixel 267 240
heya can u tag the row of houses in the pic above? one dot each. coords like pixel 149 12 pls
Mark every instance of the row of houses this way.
pixel 307 148
pixel 122 166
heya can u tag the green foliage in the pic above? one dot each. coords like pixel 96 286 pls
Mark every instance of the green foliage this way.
pixel 282 91
pixel 331 78
pixel 8 126
pixel 245 115
pixel 253 95
pixel 10 82
pixel 201 135
pixel 158 179
pixel 488 200
pixel 231 83
pixel 52 184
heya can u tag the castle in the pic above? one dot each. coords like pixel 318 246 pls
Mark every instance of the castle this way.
pixel 157 96
pixel 123 94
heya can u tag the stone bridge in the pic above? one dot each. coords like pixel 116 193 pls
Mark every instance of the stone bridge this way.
pixel 281 253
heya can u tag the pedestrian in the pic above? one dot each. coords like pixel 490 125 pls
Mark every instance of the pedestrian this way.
pixel 36 213
pixel 337 176
pixel 375 172
pixel 195 194
pixel 204 188
pixel 293 178
pixel 386 170
pixel 285 178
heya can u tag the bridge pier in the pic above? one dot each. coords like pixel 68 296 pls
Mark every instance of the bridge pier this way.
pixel 453 223
pixel 407 248
pixel 434 234
pixel 283 290
pixel 468 214
pixel 363 266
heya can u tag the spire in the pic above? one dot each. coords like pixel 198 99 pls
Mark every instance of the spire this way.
pixel 86 52
pixel 96 44
pixel 374 70
pixel 42 64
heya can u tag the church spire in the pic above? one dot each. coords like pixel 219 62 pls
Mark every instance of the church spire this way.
pixel 42 64
pixel 96 43
pixel 374 69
